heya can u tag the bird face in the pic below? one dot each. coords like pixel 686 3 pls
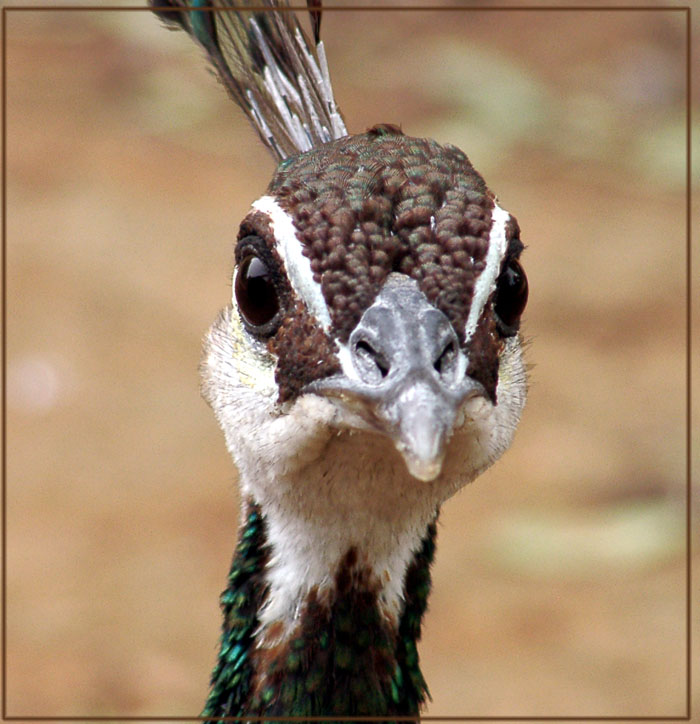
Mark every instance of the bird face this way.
pixel 377 291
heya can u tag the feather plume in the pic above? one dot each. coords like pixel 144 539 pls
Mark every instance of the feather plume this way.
pixel 267 65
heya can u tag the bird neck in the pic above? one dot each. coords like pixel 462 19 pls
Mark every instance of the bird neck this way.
pixel 344 655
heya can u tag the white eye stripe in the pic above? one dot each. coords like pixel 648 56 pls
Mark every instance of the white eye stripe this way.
pixel 297 266
pixel 486 282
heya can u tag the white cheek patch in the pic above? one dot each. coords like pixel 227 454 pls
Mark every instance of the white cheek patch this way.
pixel 253 363
pixel 297 266
pixel 486 282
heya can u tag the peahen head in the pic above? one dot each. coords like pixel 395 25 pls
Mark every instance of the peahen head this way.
pixel 368 366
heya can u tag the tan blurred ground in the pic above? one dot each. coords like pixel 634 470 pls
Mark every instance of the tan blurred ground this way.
pixel 559 583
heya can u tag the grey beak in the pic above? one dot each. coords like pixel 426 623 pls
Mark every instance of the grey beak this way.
pixel 405 371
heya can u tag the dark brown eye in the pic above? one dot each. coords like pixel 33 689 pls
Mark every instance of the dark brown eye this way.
pixel 511 296
pixel 255 290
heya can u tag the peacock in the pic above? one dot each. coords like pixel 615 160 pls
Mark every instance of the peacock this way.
pixel 368 366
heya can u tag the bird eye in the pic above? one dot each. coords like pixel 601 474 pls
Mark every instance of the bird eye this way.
pixel 256 295
pixel 511 296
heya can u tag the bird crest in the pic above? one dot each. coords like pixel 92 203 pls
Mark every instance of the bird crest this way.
pixel 268 66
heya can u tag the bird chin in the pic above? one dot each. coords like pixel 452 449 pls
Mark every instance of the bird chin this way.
pixel 421 434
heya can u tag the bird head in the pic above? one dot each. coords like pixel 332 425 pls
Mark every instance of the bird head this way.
pixel 377 292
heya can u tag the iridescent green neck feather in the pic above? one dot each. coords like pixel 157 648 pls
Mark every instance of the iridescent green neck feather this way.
pixel 343 659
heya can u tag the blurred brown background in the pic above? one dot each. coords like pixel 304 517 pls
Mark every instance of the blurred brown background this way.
pixel 560 576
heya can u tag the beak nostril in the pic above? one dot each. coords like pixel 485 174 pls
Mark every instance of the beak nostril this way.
pixel 365 351
pixel 446 359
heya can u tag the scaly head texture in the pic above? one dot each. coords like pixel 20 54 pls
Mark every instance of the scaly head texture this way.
pixel 267 65
pixel 381 202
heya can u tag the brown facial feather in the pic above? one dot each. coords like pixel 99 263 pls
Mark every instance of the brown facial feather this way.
pixel 381 202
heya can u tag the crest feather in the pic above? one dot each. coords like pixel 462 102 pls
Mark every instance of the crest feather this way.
pixel 268 66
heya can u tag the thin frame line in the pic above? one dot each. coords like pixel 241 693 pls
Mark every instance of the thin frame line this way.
pixel 357 8
pixel 3 410
pixel 366 8
pixel 688 506
pixel 419 718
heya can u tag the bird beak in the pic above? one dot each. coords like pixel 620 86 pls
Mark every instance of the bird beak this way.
pixel 404 374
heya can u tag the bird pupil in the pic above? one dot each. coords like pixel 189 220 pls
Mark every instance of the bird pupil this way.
pixel 255 292
pixel 512 292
